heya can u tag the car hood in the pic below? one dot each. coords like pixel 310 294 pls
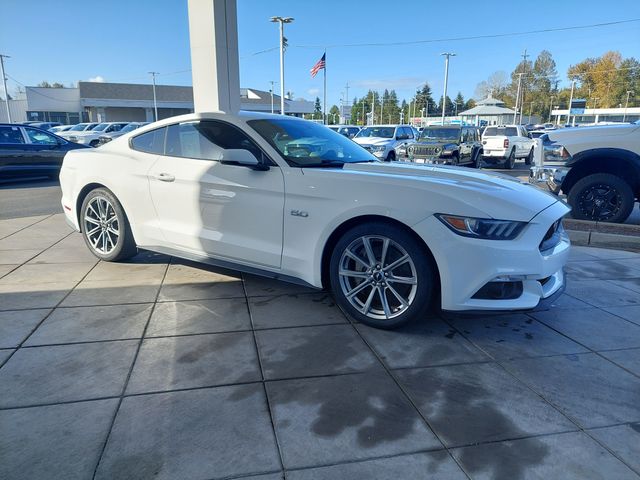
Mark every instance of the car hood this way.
pixel 372 140
pixel 496 195
pixel 578 133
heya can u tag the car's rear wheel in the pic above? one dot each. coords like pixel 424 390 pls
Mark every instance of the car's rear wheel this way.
pixel 381 276
pixel 105 227
pixel 601 197
pixel 511 160
pixel 529 158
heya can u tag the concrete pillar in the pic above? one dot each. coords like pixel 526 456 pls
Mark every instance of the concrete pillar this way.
pixel 213 33
pixel 148 114
pixel 101 115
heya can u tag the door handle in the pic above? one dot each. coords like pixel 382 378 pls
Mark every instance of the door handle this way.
pixel 165 177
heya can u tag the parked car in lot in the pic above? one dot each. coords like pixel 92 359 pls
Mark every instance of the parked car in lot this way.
pixel 506 143
pixel 91 137
pixel 60 128
pixel 346 130
pixel 42 125
pixel 80 127
pixel 243 191
pixel 448 144
pixel 598 168
pixel 107 137
pixel 28 151
pixel 383 141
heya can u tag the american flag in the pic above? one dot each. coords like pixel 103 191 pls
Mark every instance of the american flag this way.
pixel 318 66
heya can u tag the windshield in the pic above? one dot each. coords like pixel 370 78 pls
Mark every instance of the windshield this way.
pixel 440 134
pixel 501 131
pixel 79 127
pixel 382 132
pixel 308 144
pixel 100 127
pixel 130 127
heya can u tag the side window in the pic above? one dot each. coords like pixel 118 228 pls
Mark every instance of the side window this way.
pixel 206 140
pixel 40 138
pixel 408 131
pixel 11 135
pixel 150 142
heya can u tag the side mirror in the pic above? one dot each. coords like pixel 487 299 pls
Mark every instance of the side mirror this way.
pixel 240 156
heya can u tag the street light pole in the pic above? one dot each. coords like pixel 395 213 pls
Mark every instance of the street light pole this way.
pixel 624 116
pixel 271 91
pixel 282 21
pixel 515 116
pixel 155 103
pixel 6 92
pixel 573 84
pixel 446 80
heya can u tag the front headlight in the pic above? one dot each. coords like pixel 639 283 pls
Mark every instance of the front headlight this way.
pixel 484 228
pixel 379 148
pixel 554 152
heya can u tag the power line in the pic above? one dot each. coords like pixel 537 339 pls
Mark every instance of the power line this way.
pixel 472 37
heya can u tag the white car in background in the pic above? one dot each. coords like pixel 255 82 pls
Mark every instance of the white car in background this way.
pixel 92 137
pixel 293 200
pixel 504 144
pixel 60 128
pixel 80 127
pixel 386 142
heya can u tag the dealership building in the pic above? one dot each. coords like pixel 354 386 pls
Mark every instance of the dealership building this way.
pixel 117 102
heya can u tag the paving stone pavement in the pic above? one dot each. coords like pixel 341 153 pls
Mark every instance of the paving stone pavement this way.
pixel 161 368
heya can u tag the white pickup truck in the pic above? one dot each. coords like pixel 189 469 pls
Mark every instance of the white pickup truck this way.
pixel 505 143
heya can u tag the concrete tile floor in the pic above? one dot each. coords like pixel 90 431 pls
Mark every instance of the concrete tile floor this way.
pixel 161 368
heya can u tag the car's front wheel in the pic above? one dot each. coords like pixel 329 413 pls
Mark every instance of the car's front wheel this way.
pixel 105 227
pixel 381 276
pixel 601 197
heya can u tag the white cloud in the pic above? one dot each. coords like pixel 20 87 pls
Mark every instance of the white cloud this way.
pixel 97 78
pixel 313 91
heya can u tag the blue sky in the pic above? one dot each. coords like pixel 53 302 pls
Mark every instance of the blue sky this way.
pixel 120 41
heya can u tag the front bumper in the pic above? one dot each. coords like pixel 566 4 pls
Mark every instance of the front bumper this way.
pixel 548 178
pixel 466 265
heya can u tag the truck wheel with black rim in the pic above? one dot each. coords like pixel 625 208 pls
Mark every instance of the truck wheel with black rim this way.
pixel 511 160
pixel 601 197
pixel 529 158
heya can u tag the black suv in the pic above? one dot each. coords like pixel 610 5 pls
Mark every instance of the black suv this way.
pixel 447 144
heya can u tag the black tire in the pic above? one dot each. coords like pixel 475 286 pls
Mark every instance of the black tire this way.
pixel 379 278
pixel 602 197
pixel 391 157
pixel 529 158
pixel 94 143
pixel 124 246
pixel 477 160
pixel 455 160
pixel 511 160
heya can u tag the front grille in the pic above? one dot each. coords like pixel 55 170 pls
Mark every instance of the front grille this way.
pixel 553 236
pixel 426 150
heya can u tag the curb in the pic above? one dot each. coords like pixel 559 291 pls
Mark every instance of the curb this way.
pixel 603 235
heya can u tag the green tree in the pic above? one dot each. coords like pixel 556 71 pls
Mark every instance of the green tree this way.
pixel 317 109
pixel 495 85
pixel 334 115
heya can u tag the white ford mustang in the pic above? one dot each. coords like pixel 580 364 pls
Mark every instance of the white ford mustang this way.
pixel 293 200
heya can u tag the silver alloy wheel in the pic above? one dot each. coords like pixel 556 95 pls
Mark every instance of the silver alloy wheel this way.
pixel 101 225
pixel 378 277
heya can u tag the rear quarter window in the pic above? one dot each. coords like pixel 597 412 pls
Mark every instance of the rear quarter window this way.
pixel 150 142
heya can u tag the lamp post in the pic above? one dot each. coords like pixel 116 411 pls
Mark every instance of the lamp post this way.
pixel 551 106
pixel 626 105
pixel 446 80
pixel 271 91
pixel 155 103
pixel 573 84
pixel 4 82
pixel 282 21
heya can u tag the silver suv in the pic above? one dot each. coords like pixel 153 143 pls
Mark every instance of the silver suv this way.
pixel 386 142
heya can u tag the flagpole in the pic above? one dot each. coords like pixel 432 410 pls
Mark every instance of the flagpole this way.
pixel 324 115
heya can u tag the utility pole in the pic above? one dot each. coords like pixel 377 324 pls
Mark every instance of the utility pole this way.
pixel 530 108
pixel 515 115
pixel 6 92
pixel 155 103
pixel 551 105
pixel 282 21
pixel 271 91
pixel 624 116
pixel 446 80
pixel 573 84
